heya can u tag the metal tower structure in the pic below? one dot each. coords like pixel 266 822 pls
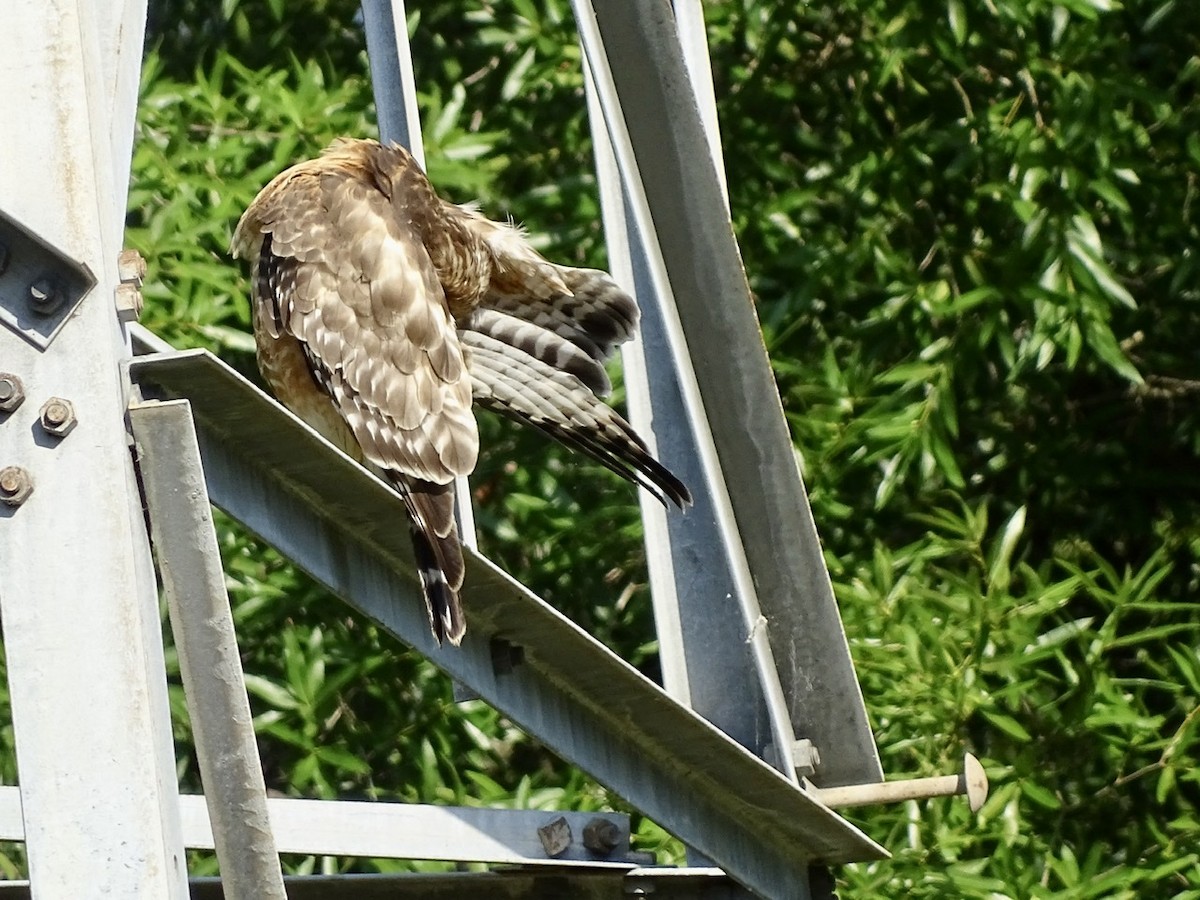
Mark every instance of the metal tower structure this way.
pixel 761 702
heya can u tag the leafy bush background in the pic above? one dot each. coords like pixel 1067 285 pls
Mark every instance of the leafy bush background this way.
pixel 972 232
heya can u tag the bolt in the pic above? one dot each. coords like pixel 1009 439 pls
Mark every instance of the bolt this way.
pixel 58 417
pixel 805 757
pixel 972 782
pixel 131 268
pixel 3 258
pixel 15 486
pixel 129 303
pixel 601 836
pixel 12 392
pixel 44 297
pixel 555 837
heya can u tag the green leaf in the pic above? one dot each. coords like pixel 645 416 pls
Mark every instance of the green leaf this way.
pixel 1102 342
pixel 1007 724
pixel 999 571
pixel 958 21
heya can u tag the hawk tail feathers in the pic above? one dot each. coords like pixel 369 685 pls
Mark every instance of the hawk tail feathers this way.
pixel 438 555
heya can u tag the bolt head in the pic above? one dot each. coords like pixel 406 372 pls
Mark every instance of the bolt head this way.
pixel 601 836
pixel 44 297
pixel 12 392
pixel 131 268
pixel 974 782
pixel 58 417
pixel 15 486
pixel 129 303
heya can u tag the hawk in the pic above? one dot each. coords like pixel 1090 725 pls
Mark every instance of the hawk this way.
pixel 382 312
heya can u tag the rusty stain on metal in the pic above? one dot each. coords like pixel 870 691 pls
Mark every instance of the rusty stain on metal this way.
pixel 12 392
pixel 15 486
pixel 58 417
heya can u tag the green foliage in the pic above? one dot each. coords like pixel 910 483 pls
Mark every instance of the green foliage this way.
pixel 973 242
pixel 972 233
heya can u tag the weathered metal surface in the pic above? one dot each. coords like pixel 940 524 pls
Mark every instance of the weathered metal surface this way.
pixel 399 831
pixel 80 613
pixel 702 621
pixel 189 563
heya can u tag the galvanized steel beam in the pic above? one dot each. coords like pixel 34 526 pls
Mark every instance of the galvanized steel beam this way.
pixel 702 614
pixel 395 90
pixel 344 526
pixel 511 884
pixel 404 831
pixel 711 328
pixel 77 595
pixel 189 562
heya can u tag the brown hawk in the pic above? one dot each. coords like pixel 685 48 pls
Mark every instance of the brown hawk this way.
pixel 381 311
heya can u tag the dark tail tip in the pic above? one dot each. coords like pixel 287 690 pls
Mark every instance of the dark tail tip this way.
pixel 442 603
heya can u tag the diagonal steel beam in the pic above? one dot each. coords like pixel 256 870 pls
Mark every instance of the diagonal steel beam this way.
pixel 345 527
pixel 710 328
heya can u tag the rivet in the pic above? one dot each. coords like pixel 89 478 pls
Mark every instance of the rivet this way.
pixel 506 656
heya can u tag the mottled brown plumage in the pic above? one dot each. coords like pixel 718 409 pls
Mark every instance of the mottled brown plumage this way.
pixel 380 310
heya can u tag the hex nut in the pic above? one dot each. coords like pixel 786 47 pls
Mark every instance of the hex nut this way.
pixel 58 417
pixel 44 297
pixel 131 268
pixel 601 836
pixel 129 303
pixel 555 837
pixel 12 392
pixel 15 486
pixel 806 757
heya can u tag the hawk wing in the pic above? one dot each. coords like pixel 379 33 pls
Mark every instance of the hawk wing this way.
pixel 520 385
pixel 594 314
pixel 536 354
pixel 339 278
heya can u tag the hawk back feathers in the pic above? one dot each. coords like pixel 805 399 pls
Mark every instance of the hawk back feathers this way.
pixel 382 311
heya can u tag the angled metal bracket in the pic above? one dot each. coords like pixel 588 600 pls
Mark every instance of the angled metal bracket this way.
pixel 40 286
